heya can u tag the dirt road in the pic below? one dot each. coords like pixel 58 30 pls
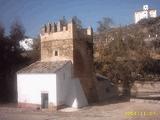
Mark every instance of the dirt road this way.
pixel 105 111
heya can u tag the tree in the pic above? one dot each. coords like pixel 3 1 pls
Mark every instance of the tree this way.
pixel 35 54
pixel 104 25
pixel 17 33
pixel 2 31
pixel 11 60
pixel 103 29
pixel 77 21
pixel 63 20
pixel 124 58
pixel 2 45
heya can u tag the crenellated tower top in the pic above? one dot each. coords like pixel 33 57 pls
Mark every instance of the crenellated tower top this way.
pixel 56 27
pixel 59 39
pixel 59 27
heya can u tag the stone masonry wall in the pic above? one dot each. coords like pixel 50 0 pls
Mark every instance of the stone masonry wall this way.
pixel 57 40
pixel 65 51
pixel 145 88
pixel 73 44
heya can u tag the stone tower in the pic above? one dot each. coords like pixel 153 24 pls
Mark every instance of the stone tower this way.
pixel 67 42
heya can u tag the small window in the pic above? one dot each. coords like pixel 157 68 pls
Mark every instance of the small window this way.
pixel 56 53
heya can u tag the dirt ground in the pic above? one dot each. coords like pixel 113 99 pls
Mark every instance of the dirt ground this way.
pixel 103 111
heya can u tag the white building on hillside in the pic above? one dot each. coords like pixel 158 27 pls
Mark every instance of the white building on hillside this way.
pixel 145 13
pixel 26 44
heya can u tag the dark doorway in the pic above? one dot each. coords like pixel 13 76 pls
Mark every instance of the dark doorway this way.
pixel 44 100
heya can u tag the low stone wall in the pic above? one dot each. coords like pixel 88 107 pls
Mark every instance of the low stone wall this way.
pixel 145 101
pixel 146 89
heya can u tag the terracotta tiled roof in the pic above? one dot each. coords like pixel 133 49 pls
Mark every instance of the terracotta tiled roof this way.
pixel 44 67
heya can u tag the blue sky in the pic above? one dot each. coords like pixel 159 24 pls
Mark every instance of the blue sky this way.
pixel 34 13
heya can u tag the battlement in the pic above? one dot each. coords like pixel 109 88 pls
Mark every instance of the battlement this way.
pixel 59 30
pixel 56 27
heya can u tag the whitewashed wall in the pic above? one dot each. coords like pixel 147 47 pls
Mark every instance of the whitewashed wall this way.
pixel 30 87
pixel 145 14
pixel 141 15
pixel 153 13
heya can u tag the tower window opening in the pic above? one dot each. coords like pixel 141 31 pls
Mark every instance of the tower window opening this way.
pixel 56 53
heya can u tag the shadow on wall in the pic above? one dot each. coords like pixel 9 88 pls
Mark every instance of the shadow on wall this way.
pixel 146 90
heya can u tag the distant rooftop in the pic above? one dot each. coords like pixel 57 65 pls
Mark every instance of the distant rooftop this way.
pixel 145 8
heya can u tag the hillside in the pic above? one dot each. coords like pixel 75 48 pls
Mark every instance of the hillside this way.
pixel 130 53
pixel 148 30
pixel 152 25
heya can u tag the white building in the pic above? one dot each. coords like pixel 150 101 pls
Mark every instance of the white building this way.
pixel 49 85
pixel 26 44
pixel 145 13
